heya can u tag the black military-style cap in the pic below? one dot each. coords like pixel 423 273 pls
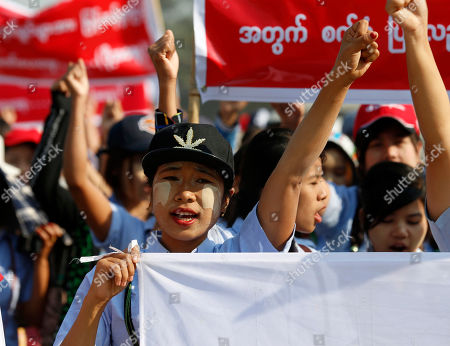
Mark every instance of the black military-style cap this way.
pixel 199 143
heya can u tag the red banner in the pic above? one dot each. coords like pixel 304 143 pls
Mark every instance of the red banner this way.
pixel 32 103
pixel 253 50
pixel 112 36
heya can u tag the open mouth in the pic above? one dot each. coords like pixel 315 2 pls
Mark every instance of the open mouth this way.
pixel 184 217
pixel 317 218
pixel 318 215
pixel 398 248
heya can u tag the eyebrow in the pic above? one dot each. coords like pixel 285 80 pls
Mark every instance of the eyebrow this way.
pixel 170 168
pixel 415 214
pixel 205 171
pixel 178 168
pixel 315 175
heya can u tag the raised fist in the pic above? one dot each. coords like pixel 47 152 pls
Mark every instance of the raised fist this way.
pixel 112 113
pixel 358 51
pixel 411 15
pixel 165 57
pixel 76 79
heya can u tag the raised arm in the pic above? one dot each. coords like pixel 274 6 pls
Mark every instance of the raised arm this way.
pixel 165 59
pixel 430 99
pixel 89 199
pixel 278 204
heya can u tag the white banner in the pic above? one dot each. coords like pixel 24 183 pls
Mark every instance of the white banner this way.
pixel 295 299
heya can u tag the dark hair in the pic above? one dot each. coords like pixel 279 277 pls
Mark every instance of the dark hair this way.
pixel 383 191
pixel 258 162
pixel 115 162
pixel 364 139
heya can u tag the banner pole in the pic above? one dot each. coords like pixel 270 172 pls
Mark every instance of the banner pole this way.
pixel 194 95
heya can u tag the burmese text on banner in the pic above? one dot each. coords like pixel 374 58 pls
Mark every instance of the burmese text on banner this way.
pixel 112 36
pixel 255 51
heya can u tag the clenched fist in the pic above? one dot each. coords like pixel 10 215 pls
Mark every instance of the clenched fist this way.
pixel 358 51
pixel 76 79
pixel 165 57
pixel 411 15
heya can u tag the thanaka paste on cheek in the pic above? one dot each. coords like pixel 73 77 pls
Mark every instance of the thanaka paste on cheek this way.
pixel 161 192
pixel 210 198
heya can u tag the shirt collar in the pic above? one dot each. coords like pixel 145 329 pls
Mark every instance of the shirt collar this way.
pixel 153 244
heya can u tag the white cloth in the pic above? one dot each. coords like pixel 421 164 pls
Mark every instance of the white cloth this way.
pixel 111 329
pixel 295 299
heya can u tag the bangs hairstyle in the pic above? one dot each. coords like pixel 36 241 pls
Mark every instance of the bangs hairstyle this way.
pixel 364 139
pixel 115 162
pixel 381 192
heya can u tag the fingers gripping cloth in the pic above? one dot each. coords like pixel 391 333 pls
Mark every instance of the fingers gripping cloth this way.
pixel 87 259
pixel 127 299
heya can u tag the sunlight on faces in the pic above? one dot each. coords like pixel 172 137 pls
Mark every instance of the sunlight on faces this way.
pixel 392 145
pixel 187 200
pixel 403 230
pixel 210 195
pixel 313 199
pixel 337 168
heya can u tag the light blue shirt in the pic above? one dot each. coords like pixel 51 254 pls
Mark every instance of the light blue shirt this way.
pixel 20 282
pixel 338 219
pixel 112 330
pixel 441 230
pixel 125 227
pixel 234 229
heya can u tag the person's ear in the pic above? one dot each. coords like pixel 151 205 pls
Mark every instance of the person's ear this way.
pixel 226 201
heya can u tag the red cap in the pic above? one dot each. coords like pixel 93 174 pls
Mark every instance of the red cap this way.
pixel 18 136
pixel 369 114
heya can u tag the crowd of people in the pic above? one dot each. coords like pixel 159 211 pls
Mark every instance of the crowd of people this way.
pixel 238 185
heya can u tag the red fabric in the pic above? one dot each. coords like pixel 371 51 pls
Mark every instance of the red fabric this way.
pixel 368 114
pixel 40 45
pixel 19 136
pixel 237 57
pixel 112 36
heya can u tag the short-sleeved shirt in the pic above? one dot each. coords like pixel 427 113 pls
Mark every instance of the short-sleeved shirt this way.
pixel 236 228
pixel 441 230
pixel 125 227
pixel 15 287
pixel 112 330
